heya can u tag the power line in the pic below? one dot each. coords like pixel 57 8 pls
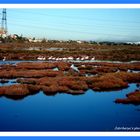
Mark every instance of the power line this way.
pixel 74 31
pixel 132 28
pixel 78 17
pixel 102 26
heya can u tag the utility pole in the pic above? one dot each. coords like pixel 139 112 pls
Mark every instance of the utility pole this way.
pixel 4 21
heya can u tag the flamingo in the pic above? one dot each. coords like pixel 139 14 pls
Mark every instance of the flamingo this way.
pixel 41 58
pixel 60 59
pixel 82 58
pixel 93 58
pixel 77 58
pixel 53 58
pixel 57 59
pixel 70 58
pixel 86 57
pixel 64 58
pixel 50 58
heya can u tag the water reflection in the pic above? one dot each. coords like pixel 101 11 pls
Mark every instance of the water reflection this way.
pixel 15 97
pixel 92 111
pixel 131 87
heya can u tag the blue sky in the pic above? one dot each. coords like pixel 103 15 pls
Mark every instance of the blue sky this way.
pixel 76 24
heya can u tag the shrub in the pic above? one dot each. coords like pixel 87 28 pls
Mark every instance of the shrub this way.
pixel 18 91
pixel 27 81
pixel 128 77
pixel 35 65
pixel 14 90
pixel 63 66
pixel 132 98
pixel 50 90
pixel 33 88
pixel 108 82
pixel 47 81
pixel 28 73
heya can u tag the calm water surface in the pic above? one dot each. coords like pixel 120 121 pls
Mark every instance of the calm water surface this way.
pixel 18 61
pixel 92 111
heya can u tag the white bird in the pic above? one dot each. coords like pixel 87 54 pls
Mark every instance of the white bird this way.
pixel 64 58
pixel 70 58
pixel 78 59
pixel 95 66
pixel 74 68
pixel 60 59
pixel 4 58
pixel 53 58
pixel 82 58
pixel 50 58
pixel 117 71
pixel 41 58
pixel 83 66
pixel 86 57
pixel 129 70
pixel 57 59
pixel 93 58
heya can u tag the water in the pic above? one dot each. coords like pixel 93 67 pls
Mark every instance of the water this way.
pixel 133 71
pixel 56 69
pixel 14 62
pixel 9 82
pixel 54 49
pixel 92 111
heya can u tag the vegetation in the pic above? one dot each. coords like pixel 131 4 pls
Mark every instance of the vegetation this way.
pixel 33 77
pixel 132 98
pixel 22 49
pixel 99 76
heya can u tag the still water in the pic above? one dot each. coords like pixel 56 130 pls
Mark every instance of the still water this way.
pixel 92 111
pixel 14 62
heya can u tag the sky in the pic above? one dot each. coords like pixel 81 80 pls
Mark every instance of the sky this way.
pixel 76 24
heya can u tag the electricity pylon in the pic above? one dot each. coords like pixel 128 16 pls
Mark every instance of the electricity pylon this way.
pixel 4 21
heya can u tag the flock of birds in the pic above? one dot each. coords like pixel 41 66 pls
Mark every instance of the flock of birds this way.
pixel 51 58
pixel 70 58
